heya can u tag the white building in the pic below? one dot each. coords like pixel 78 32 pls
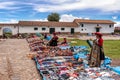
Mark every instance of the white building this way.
pixel 91 26
pixel 77 26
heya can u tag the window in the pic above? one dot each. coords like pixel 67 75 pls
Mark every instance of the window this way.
pixel 81 29
pixel 110 26
pixel 62 28
pixel 82 25
pixel 43 29
pixel 35 28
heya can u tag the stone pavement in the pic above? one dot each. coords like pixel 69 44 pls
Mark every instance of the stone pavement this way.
pixel 14 63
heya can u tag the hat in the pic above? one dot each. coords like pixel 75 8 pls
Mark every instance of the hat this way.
pixel 98 33
pixel 64 38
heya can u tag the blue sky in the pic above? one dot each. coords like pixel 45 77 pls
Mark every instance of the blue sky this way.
pixel 12 11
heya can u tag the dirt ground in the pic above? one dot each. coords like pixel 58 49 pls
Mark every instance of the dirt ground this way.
pixel 14 63
pixel 115 62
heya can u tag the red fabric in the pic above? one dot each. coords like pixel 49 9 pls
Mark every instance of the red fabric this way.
pixel 55 38
pixel 100 42
pixel 65 41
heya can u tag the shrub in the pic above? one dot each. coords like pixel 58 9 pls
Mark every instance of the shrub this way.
pixel 8 34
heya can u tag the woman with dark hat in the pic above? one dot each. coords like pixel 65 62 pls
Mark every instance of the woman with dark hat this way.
pixel 97 53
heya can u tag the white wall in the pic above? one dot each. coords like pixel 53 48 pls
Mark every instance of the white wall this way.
pixel 14 29
pixel 30 29
pixel 88 28
pixel 91 28
pixel 106 29
pixel 66 29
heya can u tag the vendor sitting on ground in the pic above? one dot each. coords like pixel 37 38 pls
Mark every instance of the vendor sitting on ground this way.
pixel 64 41
pixel 54 40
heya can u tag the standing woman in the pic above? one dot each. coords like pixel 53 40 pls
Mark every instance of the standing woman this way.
pixel 97 54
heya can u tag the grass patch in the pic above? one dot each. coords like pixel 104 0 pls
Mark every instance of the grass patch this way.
pixel 76 42
pixel 111 47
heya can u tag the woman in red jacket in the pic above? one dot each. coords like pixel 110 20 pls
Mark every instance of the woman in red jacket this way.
pixel 97 54
pixel 100 44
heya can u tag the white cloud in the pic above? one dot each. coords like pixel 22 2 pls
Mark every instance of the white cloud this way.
pixel 70 18
pixel 13 21
pixel 16 21
pixel 87 18
pixel 62 5
pixel 40 19
pixel 10 21
pixel 8 5
pixel 57 1
pixel 107 5
pixel 63 18
pixel 117 24
pixel 114 17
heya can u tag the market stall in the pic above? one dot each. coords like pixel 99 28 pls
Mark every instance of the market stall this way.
pixel 71 63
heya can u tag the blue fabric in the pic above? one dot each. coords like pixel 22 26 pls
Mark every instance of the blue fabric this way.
pixel 116 69
pixel 76 56
pixel 43 77
pixel 37 64
pixel 48 38
pixel 38 34
pixel 82 53
pixel 64 47
pixel 81 47
pixel 107 61
pixel 79 55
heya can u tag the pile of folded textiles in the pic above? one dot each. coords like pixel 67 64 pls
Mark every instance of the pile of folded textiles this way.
pixel 68 63
pixel 68 68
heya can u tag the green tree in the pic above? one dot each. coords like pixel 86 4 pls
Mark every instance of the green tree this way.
pixel 53 17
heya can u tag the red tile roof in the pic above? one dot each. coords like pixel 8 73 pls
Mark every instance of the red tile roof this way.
pixel 57 24
pixel 94 21
pixel 49 24
pixel 8 24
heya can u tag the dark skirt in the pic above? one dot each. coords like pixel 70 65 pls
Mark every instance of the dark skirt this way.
pixel 53 43
pixel 102 56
